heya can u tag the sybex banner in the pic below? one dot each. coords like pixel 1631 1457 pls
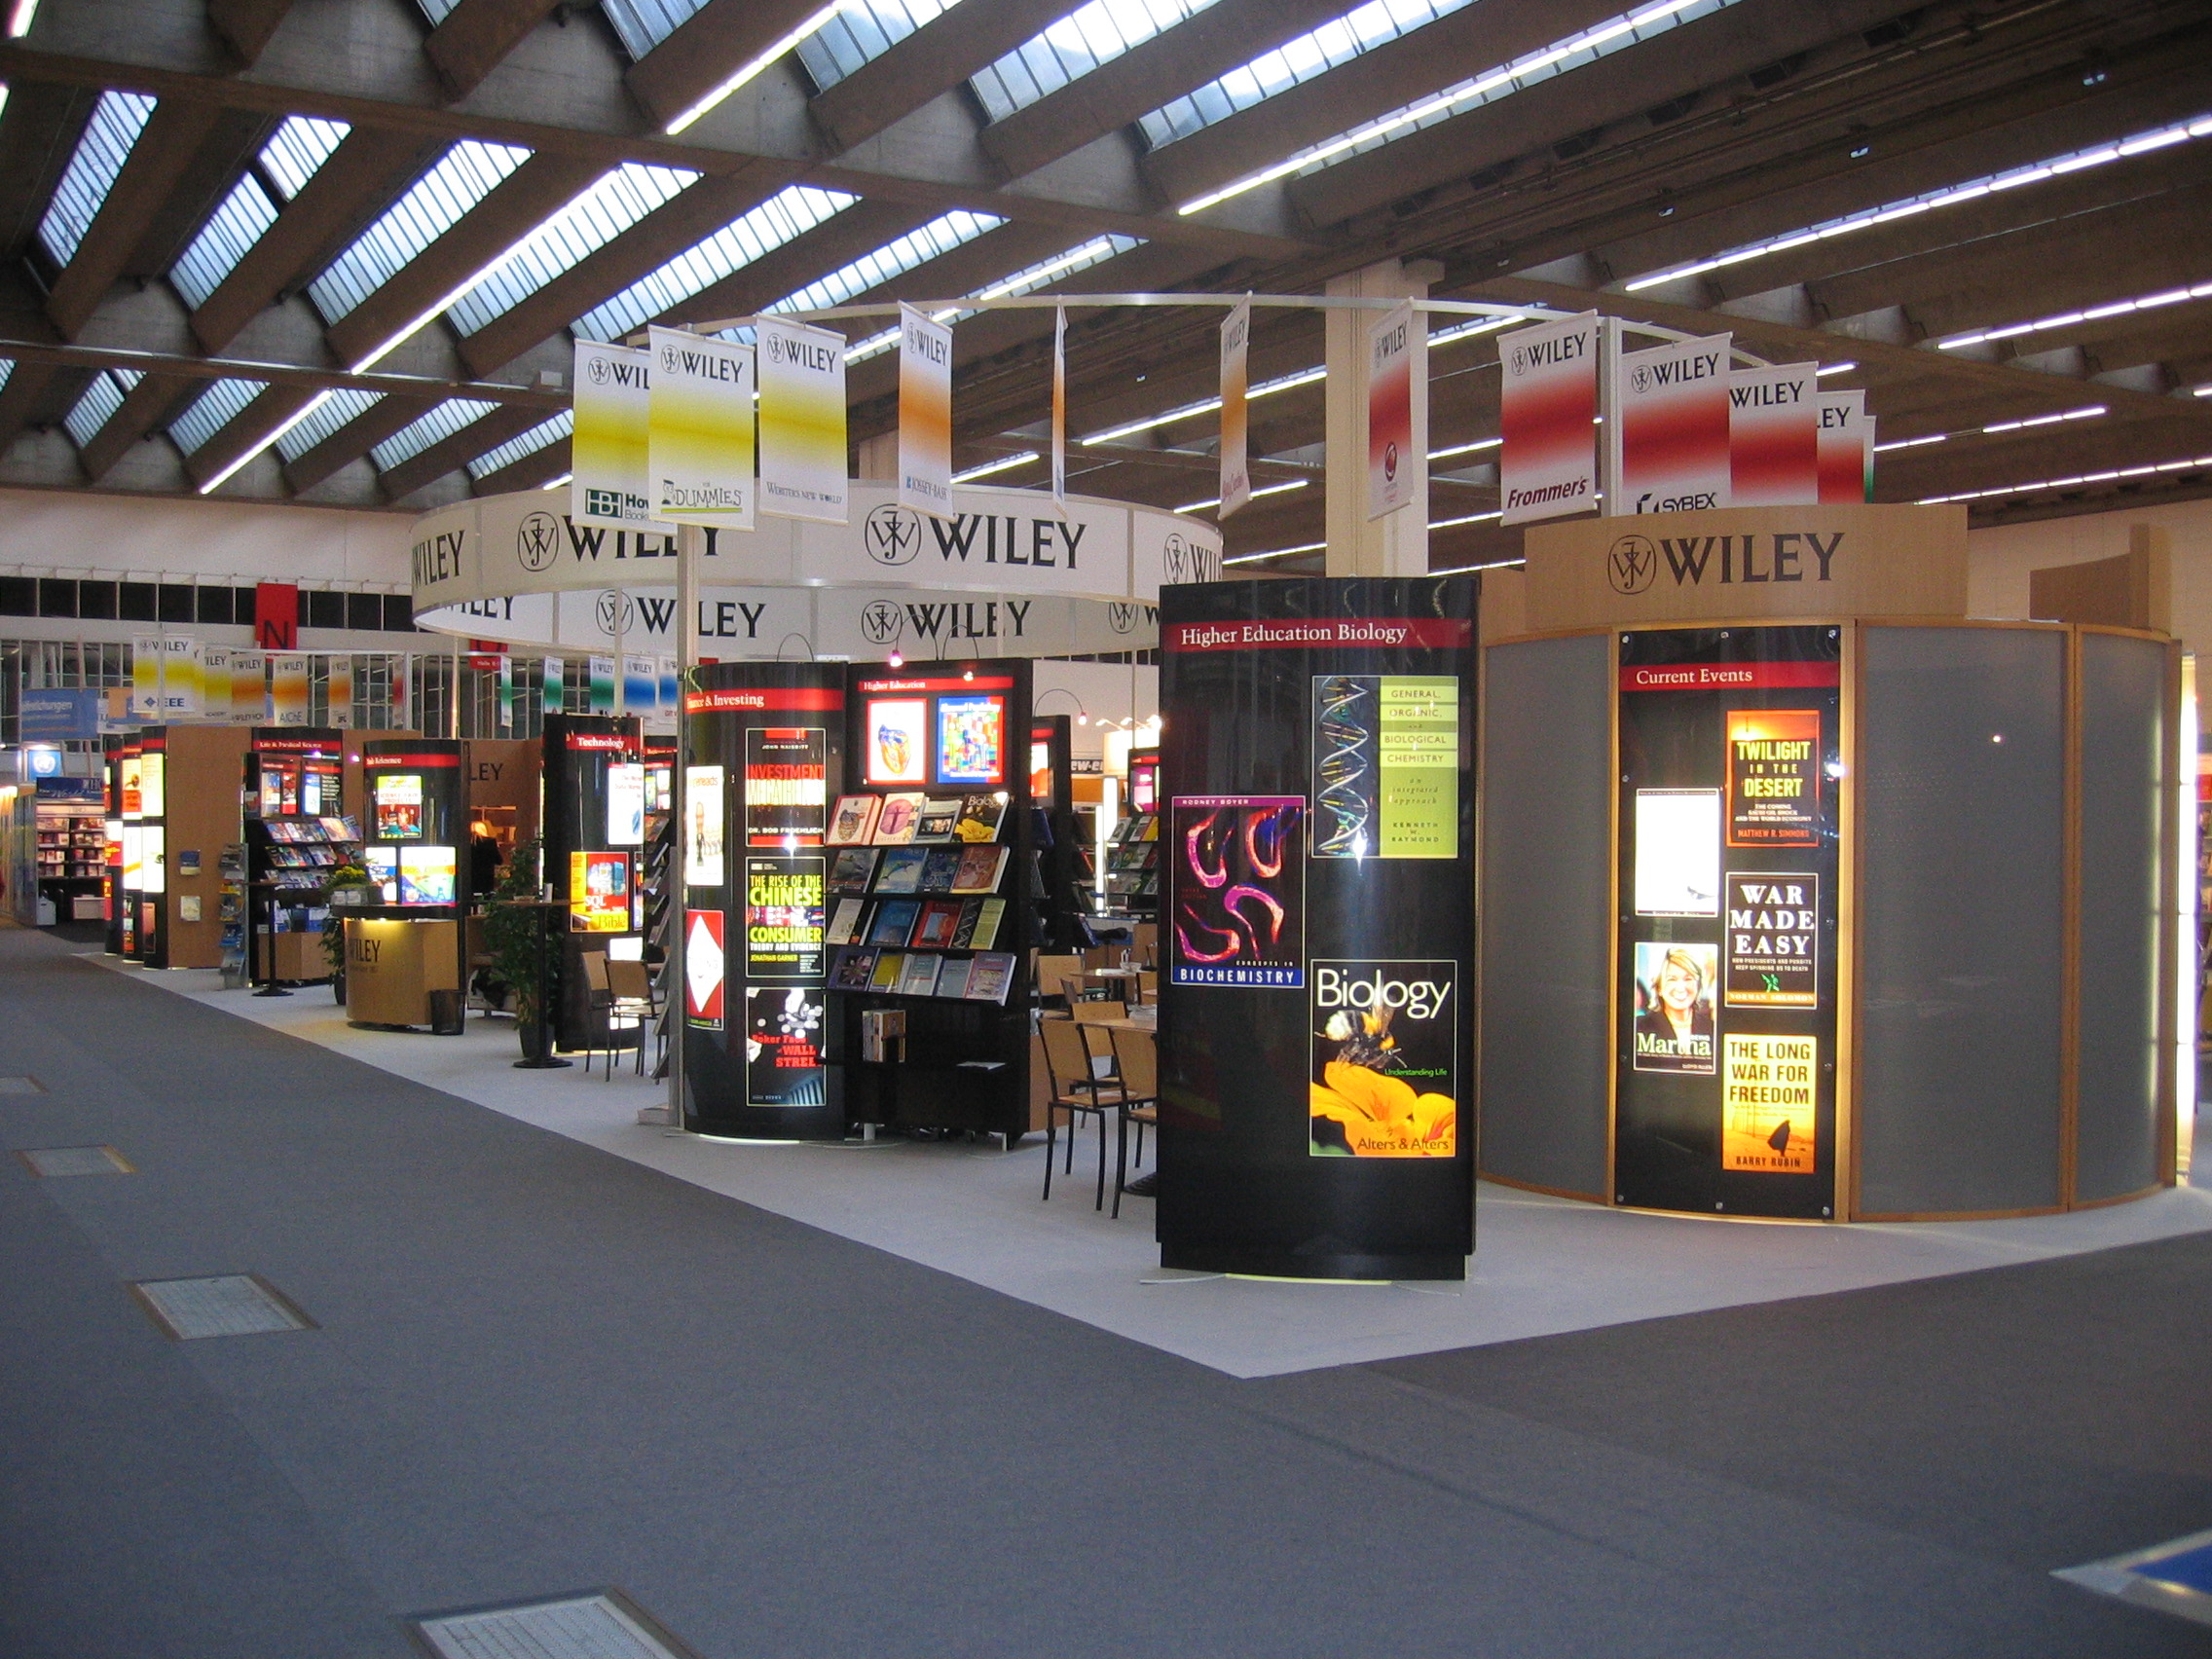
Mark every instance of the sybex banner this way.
pixel 1548 411
pixel 1315 1053
pixel 1774 436
pixel 1731 761
pixel 1672 429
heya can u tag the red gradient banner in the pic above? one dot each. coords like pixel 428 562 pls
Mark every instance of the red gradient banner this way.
pixel 1391 462
pixel 1774 436
pixel 1674 411
pixel 1846 437
pixel 1548 462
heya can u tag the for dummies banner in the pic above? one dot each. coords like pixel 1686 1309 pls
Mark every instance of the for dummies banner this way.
pixel 1384 1084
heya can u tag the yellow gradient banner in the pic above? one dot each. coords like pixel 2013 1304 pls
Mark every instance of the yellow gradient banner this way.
pixel 699 447
pixel 607 453
pixel 803 420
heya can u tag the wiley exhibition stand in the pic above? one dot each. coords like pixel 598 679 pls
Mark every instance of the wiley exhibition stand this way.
pixel 1806 895
pixel 404 956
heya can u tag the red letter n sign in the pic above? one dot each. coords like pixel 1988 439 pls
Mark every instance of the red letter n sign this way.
pixel 276 617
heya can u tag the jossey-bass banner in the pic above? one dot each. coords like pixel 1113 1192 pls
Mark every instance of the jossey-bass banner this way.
pixel 1730 747
pixel 1315 916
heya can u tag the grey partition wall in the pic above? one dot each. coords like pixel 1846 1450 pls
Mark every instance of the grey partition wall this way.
pixel 1961 791
pixel 2118 1131
pixel 1546 912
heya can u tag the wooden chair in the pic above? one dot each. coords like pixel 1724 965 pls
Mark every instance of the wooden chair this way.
pixel 598 997
pixel 630 985
pixel 1137 1063
pixel 1148 986
pixel 1075 1087
pixel 1053 973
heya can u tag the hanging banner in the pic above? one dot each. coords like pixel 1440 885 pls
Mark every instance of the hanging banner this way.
pixel 216 684
pixel 607 453
pixel 146 676
pixel 925 414
pixel 1547 464
pixel 640 685
pixel 1235 472
pixel 1672 401
pixel 338 692
pixel 506 692
pixel 180 680
pixel 1060 409
pixel 803 420
pixel 551 687
pixel 602 684
pixel 249 689
pixel 1845 448
pixel 402 692
pixel 699 445
pixel 1391 463
pixel 288 689
pixel 276 617
pixel 1774 436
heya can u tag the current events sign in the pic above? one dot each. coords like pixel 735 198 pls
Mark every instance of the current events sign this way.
pixel 1731 762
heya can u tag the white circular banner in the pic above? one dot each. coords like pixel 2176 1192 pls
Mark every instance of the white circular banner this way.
pixel 1006 576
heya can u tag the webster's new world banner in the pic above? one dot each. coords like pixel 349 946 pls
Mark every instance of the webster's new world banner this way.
pixel 1673 408
pixel 925 414
pixel 803 420
pixel 1235 470
pixel 1774 431
pixel 607 449
pixel 1548 462
pixel 1846 447
pixel 699 450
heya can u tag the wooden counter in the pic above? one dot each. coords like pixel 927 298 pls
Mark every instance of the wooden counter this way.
pixel 393 965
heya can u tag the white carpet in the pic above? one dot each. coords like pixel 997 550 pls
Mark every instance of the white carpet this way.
pixel 1542 1265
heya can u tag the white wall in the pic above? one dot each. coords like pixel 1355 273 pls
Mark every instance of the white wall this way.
pixel 1109 691
pixel 1999 560
pixel 64 534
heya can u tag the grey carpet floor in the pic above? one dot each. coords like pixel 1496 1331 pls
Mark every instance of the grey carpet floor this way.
pixel 539 1368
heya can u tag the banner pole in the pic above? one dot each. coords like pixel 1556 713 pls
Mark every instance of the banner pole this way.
pixel 1609 413
pixel 689 540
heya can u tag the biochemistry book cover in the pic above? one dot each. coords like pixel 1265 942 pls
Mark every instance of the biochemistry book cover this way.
pixel 1240 891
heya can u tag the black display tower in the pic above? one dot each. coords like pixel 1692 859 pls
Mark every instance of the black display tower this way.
pixel 296 833
pixel 593 823
pixel 1317 909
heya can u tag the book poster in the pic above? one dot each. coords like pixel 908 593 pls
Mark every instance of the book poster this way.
pixel 1240 891
pixel 703 821
pixel 783 918
pixel 1385 766
pixel 398 804
pixel 1383 1038
pixel 1677 851
pixel 783 1047
pixel 1768 1104
pixel 706 968
pixel 599 892
pixel 787 795
pixel 1774 787
pixel 1673 1006
pixel 625 803
pixel 1773 940
pixel 898 740
pixel 971 740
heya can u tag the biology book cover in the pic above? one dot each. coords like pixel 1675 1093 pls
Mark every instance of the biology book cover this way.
pixel 1384 1043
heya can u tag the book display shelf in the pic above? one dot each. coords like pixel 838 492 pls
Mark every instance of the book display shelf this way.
pixel 296 834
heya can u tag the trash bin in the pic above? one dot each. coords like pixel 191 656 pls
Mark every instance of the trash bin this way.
pixel 445 1014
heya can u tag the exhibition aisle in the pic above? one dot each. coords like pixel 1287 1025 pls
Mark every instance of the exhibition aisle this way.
pixel 1542 1267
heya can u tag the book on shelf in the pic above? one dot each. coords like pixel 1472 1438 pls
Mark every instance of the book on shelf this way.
pixel 918 979
pixel 853 820
pixel 894 921
pixel 853 869
pixel 901 869
pixel 941 869
pixel 900 817
pixel 886 975
pixel 844 921
pixel 964 930
pixel 981 816
pixel 941 917
pixel 987 917
pixel 952 977
pixel 940 812
pixel 979 868
pixel 854 967
pixel 990 976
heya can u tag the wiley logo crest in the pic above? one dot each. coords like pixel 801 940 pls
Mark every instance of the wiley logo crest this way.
pixel 882 622
pixel 537 539
pixel 892 535
pixel 615 612
pixel 1632 564
pixel 1121 615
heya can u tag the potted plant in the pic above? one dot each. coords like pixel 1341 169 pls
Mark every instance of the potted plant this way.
pixel 520 945
pixel 348 888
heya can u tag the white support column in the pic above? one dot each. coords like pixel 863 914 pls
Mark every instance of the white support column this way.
pixel 1397 544
pixel 875 461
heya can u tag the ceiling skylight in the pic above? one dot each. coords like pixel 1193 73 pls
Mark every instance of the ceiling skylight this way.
pixel 433 428
pixel 523 447
pixel 860 32
pixel 1291 64
pixel 465 176
pixel 894 258
pixel 591 221
pixel 335 408
pixel 789 213
pixel 2180 132
pixel 116 122
pixel 1027 280
pixel 284 167
pixel 101 399
pixel 1079 42
pixel 1493 84
pixel 213 409
pixel 642 24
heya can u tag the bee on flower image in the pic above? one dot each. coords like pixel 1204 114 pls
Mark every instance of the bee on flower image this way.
pixel 1363 1108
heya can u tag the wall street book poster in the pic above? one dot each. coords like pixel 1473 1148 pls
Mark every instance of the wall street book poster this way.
pixel 1673 1006
pixel 1773 778
pixel 1383 1036
pixel 783 1047
pixel 1240 890
pixel 1773 940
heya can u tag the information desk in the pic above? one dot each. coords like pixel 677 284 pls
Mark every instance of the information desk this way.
pixel 393 965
